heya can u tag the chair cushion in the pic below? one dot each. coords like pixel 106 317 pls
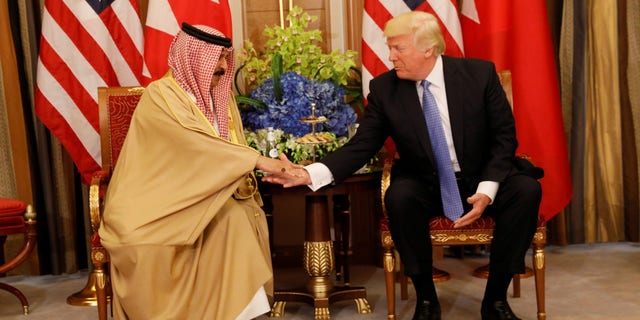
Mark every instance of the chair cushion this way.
pixel 12 207
pixel 11 216
pixel 11 225
pixel 442 223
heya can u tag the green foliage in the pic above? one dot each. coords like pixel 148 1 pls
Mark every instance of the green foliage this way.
pixel 295 49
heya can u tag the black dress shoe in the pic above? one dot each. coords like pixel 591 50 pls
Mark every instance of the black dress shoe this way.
pixel 500 310
pixel 425 310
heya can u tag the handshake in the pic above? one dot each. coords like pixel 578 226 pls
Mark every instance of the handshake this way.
pixel 282 171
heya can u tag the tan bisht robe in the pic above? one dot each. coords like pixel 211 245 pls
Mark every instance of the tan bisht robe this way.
pixel 181 246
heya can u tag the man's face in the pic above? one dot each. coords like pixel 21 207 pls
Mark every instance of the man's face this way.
pixel 409 62
pixel 220 69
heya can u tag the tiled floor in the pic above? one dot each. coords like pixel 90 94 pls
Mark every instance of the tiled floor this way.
pixel 599 281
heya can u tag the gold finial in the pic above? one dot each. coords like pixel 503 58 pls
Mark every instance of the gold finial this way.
pixel 30 214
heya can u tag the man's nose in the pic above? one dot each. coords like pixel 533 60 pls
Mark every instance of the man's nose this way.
pixel 392 56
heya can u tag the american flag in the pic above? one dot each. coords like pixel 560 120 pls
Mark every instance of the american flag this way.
pixel 164 18
pixel 377 12
pixel 85 45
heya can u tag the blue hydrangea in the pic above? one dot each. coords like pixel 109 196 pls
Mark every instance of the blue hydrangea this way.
pixel 298 93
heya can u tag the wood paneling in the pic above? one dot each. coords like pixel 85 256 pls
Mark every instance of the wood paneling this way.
pixel 259 14
pixel 354 27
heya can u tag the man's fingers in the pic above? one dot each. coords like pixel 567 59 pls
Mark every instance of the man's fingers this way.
pixel 467 219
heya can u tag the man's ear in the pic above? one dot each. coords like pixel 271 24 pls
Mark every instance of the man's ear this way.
pixel 429 52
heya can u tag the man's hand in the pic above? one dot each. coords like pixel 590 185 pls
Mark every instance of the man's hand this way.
pixel 479 201
pixel 283 172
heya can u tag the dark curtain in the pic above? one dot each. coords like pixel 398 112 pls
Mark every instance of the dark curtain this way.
pixel 62 241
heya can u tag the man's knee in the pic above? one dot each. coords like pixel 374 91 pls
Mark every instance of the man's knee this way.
pixel 527 188
pixel 402 195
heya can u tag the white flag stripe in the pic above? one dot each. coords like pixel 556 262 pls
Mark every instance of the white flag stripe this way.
pixel 366 78
pixel 374 38
pixel 128 16
pixel 447 13
pixel 469 10
pixel 372 34
pixel 99 32
pixel 67 108
pixel 161 17
pixel 395 7
pixel 71 56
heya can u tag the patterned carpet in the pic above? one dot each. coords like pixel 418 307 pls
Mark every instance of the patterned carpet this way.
pixel 598 281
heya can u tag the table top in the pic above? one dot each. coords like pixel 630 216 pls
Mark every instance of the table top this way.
pixel 342 187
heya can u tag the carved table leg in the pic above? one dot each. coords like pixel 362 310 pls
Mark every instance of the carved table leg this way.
pixel 319 264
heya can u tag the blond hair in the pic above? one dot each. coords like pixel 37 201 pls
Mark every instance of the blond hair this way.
pixel 424 27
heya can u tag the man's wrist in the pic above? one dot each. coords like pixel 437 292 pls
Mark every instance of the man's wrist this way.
pixel 319 175
pixel 488 188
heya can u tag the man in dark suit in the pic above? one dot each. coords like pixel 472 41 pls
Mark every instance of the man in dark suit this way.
pixel 480 136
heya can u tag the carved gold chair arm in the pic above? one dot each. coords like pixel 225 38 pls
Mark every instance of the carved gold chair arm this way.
pixel 98 183
pixel 385 181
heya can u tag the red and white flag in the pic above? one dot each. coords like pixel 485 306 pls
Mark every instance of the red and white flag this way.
pixel 164 20
pixel 515 35
pixel 375 53
pixel 85 45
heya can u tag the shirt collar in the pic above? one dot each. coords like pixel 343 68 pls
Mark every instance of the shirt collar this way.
pixel 436 77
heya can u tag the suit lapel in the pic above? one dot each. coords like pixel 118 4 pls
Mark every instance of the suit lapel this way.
pixel 407 92
pixel 455 101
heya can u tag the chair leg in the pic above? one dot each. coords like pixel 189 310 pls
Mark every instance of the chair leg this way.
pixel 538 271
pixel 389 277
pixel 18 294
pixel 100 259
pixel 101 291
pixel 516 285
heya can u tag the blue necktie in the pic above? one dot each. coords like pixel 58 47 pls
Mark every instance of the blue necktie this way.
pixel 451 202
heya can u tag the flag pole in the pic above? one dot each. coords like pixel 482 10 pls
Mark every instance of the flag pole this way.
pixel 281 8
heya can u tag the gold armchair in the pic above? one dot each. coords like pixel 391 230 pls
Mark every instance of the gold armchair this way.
pixel 116 106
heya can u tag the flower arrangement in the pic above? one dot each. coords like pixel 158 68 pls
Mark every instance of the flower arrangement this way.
pixel 290 75
pixel 298 93
pixel 285 143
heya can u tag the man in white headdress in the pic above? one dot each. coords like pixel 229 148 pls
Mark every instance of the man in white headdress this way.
pixel 182 221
